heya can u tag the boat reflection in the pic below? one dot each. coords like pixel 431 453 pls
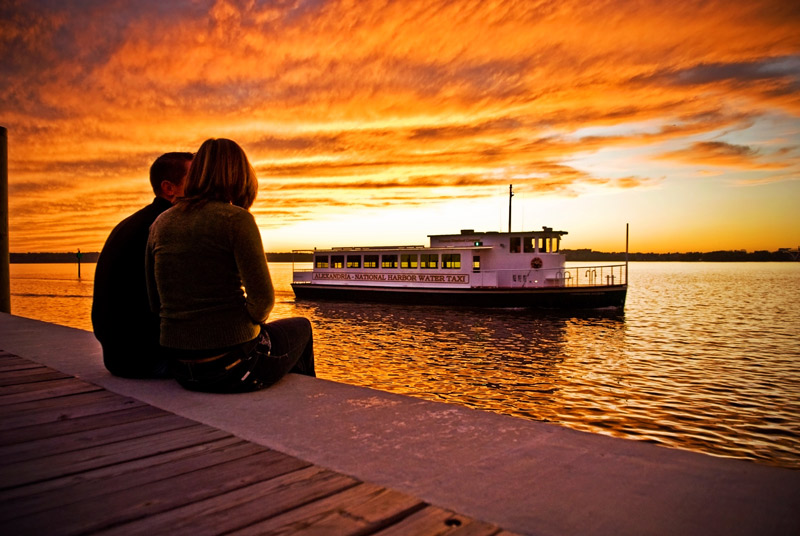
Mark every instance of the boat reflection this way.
pixel 507 361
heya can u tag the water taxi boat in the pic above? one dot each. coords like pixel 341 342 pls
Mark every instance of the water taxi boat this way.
pixel 480 269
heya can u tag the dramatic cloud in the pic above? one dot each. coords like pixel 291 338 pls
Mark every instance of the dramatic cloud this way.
pixel 345 106
pixel 717 153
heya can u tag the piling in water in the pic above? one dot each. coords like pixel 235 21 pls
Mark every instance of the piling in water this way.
pixel 5 268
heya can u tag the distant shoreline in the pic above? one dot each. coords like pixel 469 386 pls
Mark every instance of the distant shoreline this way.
pixel 91 257
pixel 580 255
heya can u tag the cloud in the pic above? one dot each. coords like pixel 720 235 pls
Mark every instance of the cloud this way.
pixel 719 153
pixel 773 80
pixel 785 69
pixel 387 103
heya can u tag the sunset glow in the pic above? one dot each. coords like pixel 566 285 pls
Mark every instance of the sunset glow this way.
pixel 373 122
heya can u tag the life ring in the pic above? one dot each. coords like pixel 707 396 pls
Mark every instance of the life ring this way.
pixel 536 263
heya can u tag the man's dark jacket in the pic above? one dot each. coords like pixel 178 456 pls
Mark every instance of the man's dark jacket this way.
pixel 123 322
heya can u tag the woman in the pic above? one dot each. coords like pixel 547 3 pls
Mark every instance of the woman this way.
pixel 207 277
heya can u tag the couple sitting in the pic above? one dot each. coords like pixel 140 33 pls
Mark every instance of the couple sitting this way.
pixel 182 288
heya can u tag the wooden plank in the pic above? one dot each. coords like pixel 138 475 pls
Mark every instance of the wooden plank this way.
pixel 133 503
pixel 12 389
pixel 37 412
pixel 79 461
pixel 29 368
pixel 12 364
pixel 92 485
pixel 243 506
pixel 7 357
pixel 432 521
pixel 130 470
pixel 48 446
pixel 65 427
pixel 358 510
pixel 30 375
pixel 75 434
pixel 42 390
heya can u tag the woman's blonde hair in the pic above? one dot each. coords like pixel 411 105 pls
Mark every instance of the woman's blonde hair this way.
pixel 221 171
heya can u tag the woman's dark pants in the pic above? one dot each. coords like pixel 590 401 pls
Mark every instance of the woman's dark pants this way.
pixel 284 346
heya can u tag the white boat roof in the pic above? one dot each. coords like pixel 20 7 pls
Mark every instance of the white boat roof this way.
pixel 396 248
pixel 466 239
pixel 546 231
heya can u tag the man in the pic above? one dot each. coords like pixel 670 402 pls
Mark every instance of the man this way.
pixel 127 329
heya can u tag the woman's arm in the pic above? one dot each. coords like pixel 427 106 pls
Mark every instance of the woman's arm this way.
pixel 252 264
pixel 150 277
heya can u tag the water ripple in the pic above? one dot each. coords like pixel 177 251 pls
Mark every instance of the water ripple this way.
pixel 706 356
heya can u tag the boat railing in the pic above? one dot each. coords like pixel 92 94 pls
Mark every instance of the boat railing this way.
pixel 593 276
pixel 376 248
pixel 575 276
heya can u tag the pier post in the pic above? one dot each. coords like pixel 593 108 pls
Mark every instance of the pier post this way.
pixel 627 228
pixel 5 268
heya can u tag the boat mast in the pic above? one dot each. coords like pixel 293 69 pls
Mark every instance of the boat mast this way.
pixel 510 195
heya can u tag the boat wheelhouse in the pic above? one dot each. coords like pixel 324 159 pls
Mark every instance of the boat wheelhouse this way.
pixel 484 269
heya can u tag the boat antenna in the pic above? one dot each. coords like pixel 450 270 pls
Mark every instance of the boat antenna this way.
pixel 510 195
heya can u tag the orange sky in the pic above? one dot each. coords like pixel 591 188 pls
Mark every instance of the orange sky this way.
pixel 374 122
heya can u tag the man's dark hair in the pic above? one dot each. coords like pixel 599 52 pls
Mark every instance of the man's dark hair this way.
pixel 169 167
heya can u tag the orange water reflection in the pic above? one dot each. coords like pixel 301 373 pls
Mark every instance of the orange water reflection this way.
pixel 705 356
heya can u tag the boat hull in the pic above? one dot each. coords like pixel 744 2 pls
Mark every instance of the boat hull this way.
pixel 611 296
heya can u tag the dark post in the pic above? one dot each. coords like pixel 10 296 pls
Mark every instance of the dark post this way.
pixel 510 195
pixel 627 226
pixel 5 268
pixel 79 255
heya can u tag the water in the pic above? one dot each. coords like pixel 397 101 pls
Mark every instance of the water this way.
pixel 705 356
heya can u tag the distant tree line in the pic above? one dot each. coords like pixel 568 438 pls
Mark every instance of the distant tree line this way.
pixel 288 256
pixel 40 258
pixel 782 255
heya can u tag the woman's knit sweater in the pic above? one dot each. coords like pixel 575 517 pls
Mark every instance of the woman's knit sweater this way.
pixel 207 276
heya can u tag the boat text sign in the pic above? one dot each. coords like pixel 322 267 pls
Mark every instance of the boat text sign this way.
pixel 394 278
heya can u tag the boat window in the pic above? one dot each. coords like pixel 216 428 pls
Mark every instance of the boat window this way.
pixel 354 261
pixel 320 261
pixel 451 261
pixel 389 261
pixel 370 261
pixel 476 263
pixel 337 261
pixel 409 261
pixel 429 260
pixel 546 245
pixel 557 245
pixel 515 244
pixel 529 246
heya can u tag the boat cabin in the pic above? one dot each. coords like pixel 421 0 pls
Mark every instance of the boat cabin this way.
pixel 471 259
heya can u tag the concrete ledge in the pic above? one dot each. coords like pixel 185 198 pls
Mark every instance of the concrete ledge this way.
pixel 528 477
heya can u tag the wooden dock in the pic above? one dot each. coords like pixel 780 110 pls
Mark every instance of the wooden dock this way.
pixel 78 459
